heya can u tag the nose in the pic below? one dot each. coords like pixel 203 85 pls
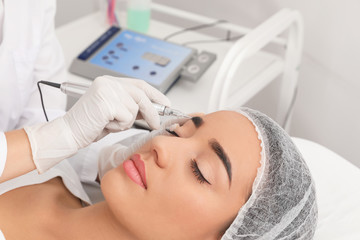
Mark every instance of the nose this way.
pixel 164 149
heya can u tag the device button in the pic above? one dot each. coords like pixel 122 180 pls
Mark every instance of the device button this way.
pixel 136 67
pixel 111 52
pixel 147 56
pixel 153 73
pixel 155 58
pixel 203 58
pixel 163 61
pixel 105 57
pixel 193 68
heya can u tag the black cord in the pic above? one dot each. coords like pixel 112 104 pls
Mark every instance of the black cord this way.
pixel 227 39
pixel 195 28
pixel 291 107
pixel 228 34
pixel 57 85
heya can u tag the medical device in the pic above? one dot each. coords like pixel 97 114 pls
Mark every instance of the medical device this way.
pixel 126 53
pixel 77 90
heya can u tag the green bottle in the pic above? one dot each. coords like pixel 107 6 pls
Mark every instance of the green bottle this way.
pixel 138 15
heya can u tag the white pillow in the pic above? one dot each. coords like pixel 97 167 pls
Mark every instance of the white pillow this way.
pixel 337 184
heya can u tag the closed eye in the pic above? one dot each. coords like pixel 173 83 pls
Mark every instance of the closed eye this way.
pixel 198 174
pixel 172 132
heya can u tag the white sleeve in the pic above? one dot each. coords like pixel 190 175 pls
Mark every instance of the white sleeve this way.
pixel 50 62
pixel 1 236
pixel 49 66
pixel 3 152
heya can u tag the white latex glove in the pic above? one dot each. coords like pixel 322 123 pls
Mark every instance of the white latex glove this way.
pixel 111 104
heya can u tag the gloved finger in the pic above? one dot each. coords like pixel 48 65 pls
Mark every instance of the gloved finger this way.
pixel 155 95
pixel 136 89
pixel 116 126
pixel 125 112
pixel 123 120
pixel 147 110
pixel 102 134
pixel 152 93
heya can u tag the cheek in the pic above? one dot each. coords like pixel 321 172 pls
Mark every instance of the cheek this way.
pixel 178 206
pixel 121 195
pixel 109 185
pixel 190 207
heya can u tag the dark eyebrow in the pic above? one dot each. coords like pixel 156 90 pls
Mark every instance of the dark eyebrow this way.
pixel 198 121
pixel 218 149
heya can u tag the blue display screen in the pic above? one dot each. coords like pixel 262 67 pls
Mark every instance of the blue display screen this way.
pixel 140 56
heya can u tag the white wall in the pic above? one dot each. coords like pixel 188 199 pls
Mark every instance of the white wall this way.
pixel 69 10
pixel 327 109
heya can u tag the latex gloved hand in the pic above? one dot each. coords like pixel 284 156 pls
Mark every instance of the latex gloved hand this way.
pixel 111 104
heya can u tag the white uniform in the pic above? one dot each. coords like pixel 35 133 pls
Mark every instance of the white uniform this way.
pixel 1 17
pixel 29 52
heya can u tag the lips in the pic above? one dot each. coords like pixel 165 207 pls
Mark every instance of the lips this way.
pixel 135 169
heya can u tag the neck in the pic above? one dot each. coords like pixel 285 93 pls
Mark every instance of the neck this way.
pixel 93 222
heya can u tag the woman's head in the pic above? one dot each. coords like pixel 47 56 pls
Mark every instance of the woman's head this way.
pixel 283 203
pixel 197 179
pixel 192 192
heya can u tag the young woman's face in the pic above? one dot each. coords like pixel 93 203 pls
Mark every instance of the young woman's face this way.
pixel 195 183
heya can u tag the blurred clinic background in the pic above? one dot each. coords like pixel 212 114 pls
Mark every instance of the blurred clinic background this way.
pixel 327 107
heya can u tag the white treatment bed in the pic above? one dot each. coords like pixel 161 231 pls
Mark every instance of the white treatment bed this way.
pixel 338 192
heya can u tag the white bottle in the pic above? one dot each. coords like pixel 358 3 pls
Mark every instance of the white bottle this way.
pixel 138 15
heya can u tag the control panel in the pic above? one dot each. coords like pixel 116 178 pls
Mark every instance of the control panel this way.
pixel 127 53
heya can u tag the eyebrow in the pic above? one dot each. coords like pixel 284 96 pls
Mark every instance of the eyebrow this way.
pixel 198 121
pixel 218 149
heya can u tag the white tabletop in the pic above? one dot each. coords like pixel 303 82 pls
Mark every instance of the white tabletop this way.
pixel 185 95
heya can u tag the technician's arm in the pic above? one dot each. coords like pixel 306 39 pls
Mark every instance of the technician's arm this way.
pixel 110 105
pixel 17 159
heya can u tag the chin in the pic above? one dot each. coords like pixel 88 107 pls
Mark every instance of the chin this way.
pixel 119 190
pixel 105 184
pixel 112 185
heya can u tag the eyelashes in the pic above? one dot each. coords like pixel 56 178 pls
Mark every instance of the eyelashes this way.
pixel 193 164
pixel 172 132
pixel 195 169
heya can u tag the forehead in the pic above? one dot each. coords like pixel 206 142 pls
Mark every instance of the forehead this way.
pixel 232 130
pixel 229 125
pixel 237 135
